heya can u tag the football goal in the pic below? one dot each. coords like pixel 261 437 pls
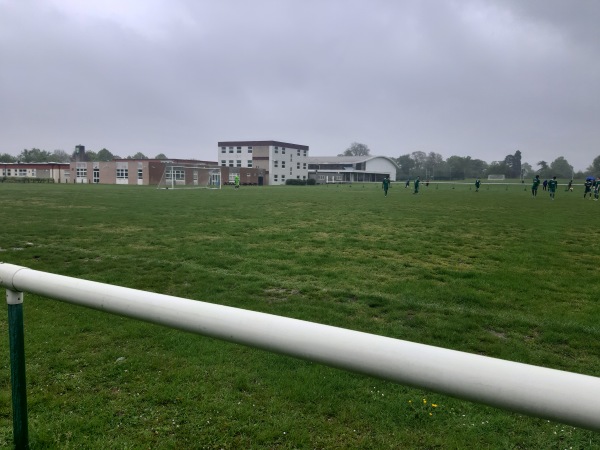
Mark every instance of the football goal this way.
pixel 496 177
pixel 190 176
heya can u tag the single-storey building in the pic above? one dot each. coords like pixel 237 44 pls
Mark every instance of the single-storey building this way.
pixel 47 171
pixel 351 169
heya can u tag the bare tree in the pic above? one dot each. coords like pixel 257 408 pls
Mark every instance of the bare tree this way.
pixel 356 149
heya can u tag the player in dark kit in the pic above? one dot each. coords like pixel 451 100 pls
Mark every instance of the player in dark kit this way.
pixel 477 184
pixel 552 184
pixel 385 185
pixel 534 186
pixel 588 187
pixel 417 182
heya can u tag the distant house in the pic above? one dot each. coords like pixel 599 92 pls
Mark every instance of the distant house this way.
pixel 351 169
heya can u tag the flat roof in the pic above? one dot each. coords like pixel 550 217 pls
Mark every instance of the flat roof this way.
pixel 261 144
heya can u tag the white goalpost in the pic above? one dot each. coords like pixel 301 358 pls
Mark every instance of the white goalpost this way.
pixel 190 176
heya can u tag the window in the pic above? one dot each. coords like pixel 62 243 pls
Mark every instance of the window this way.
pixel 140 174
pixel 276 150
pixel 304 152
pixel 238 163
pixel 223 149
pixel 249 163
pixel 274 177
pixel 298 152
pixel 282 178
pixel 283 164
pixel 283 150
pixel 81 172
pixel 121 173
pixel 239 149
pixel 230 149
pixel 33 172
pixel 249 149
pixel 224 162
pixel 275 163
pixel 22 172
pixel 231 163
pixel 304 165
pixel 290 170
pixel 297 165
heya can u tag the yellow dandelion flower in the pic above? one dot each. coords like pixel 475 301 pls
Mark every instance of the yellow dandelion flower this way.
pixel 430 414
pixel 424 401
pixel 433 405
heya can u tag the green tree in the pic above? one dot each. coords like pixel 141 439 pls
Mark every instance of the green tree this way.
pixel 34 155
pixel 6 158
pixel 91 155
pixel 356 149
pixel 544 169
pixel 434 164
pixel 420 158
pixel 497 168
pixel 60 156
pixel 561 168
pixel 526 169
pixel 105 155
pixel 406 163
pixel 161 156
pixel 478 167
pixel 513 165
pixel 138 155
pixel 595 167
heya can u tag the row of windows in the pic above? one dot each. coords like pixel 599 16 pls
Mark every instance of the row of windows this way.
pixel 17 172
pixel 298 152
pixel 178 174
pixel 237 150
pixel 276 164
pixel 81 172
pixel 238 163
pixel 275 178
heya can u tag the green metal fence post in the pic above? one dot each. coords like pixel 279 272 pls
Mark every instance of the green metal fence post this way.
pixel 17 368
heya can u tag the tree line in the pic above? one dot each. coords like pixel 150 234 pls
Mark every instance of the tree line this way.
pixel 35 155
pixel 433 166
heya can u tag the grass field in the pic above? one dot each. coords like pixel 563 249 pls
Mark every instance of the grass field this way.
pixel 495 273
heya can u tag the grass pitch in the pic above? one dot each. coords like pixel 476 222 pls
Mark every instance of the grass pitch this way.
pixel 493 272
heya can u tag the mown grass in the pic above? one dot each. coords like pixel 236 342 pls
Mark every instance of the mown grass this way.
pixel 495 273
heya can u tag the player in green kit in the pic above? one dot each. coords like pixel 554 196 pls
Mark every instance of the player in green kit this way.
pixel 552 185
pixel 534 186
pixel 477 184
pixel 385 185
pixel 417 182
pixel 588 187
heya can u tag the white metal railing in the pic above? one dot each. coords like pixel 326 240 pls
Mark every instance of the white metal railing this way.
pixel 537 391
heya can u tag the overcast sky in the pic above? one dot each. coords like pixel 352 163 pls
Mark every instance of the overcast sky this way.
pixel 479 78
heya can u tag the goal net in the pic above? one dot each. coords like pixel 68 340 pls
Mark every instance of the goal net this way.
pixel 496 177
pixel 190 176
